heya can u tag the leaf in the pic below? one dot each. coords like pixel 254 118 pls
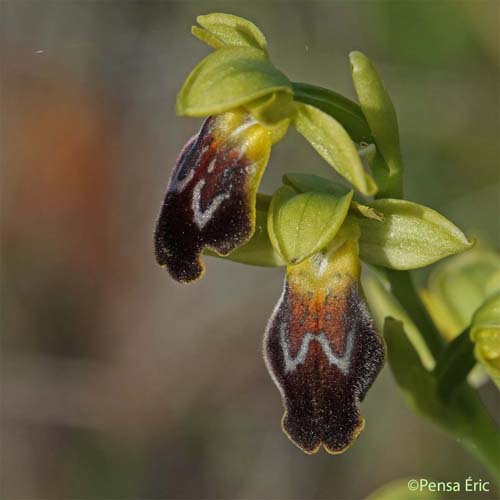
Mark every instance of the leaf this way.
pixel 332 142
pixel 219 30
pixel 410 236
pixel 303 224
pixel 454 364
pixel 377 108
pixel 228 78
pixel 418 385
pixel 463 416
pixel 259 250
pixel 345 111
pixel 383 304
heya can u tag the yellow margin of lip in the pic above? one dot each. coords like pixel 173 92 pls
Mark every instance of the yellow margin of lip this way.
pixel 355 435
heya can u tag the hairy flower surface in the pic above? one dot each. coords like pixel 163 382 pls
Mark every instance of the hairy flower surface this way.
pixel 320 346
pixel 322 350
pixel 210 199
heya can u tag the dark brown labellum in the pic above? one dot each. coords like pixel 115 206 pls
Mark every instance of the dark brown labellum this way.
pixel 210 199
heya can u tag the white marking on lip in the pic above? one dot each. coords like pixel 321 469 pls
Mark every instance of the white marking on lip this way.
pixel 202 217
pixel 242 128
pixel 291 362
pixel 211 165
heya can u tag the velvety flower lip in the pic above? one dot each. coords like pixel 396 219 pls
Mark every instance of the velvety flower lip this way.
pixel 210 199
pixel 322 351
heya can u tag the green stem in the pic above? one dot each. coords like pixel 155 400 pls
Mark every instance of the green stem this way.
pixel 345 111
pixel 477 431
pixel 402 288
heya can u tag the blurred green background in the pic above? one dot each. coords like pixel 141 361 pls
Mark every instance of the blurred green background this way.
pixel 118 383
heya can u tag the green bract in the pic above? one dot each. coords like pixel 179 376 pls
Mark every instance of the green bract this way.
pixel 228 78
pixel 377 108
pixel 219 30
pixel 456 289
pixel 333 143
pixel 300 225
pixel 410 236
pixel 381 116
pixel 485 332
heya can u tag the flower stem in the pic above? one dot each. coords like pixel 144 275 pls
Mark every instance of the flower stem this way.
pixel 475 429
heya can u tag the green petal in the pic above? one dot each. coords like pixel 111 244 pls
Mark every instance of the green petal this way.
pixel 333 143
pixel 220 30
pixel 303 224
pixel 228 78
pixel 410 236
pixel 206 37
pixel 272 109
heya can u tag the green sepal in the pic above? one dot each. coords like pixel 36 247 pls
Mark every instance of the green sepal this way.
pixel 378 109
pixel 228 78
pixel 345 111
pixel 410 236
pixel 334 145
pixel 226 30
pixel 304 183
pixel 485 333
pixel 258 251
pixel 300 225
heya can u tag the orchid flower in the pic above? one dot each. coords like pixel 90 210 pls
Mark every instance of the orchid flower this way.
pixel 321 346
